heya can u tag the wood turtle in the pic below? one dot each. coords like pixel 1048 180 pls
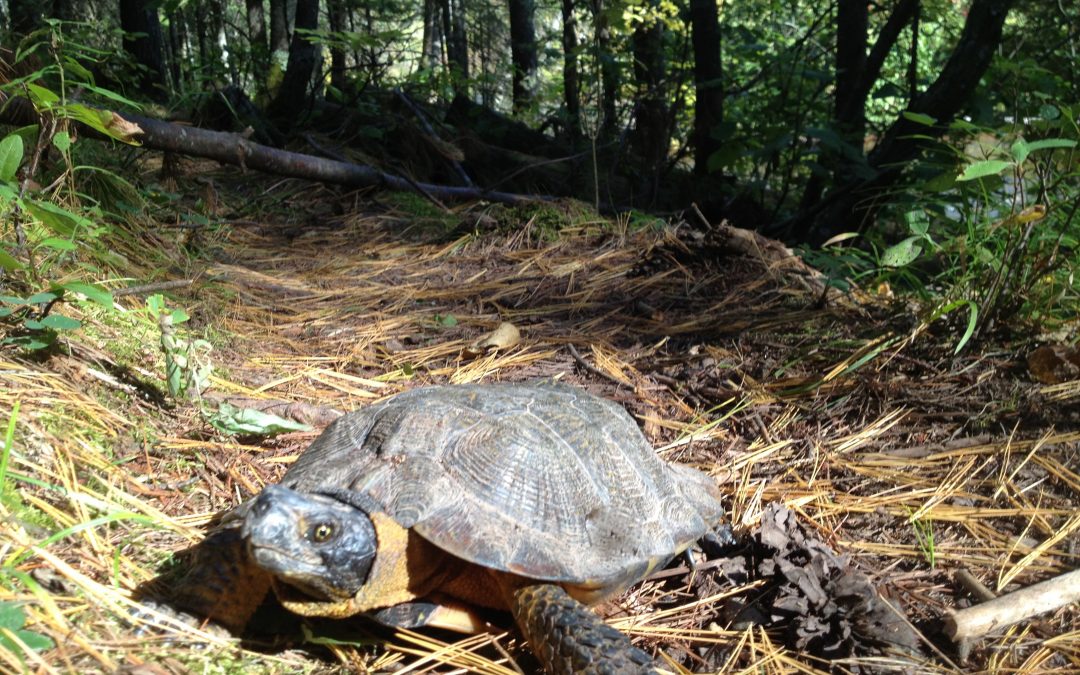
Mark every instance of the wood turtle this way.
pixel 532 498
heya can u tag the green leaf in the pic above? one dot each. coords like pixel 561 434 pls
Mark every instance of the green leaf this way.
pixel 901 254
pixel 973 320
pixel 919 118
pixel 1020 150
pixel 75 68
pixel 11 156
pixel 62 141
pixel 59 220
pixel 57 244
pixel 91 117
pixel 113 96
pixel 42 97
pixel 234 421
pixel 1048 143
pixel 60 322
pixel 179 316
pixel 8 263
pixel 13 619
pixel 989 167
pixel 28 342
pixel 11 616
pixel 446 320
pixel 43 297
pixel 1049 112
pixel 92 292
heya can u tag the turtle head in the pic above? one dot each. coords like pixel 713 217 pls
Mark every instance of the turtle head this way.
pixel 314 543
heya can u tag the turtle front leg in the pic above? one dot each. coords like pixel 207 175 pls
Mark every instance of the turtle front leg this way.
pixel 222 583
pixel 568 638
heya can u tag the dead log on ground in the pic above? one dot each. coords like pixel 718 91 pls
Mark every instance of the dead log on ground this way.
pixel 230 148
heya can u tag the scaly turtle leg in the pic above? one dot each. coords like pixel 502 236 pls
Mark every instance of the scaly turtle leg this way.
pixel 568 638
pixel 222 583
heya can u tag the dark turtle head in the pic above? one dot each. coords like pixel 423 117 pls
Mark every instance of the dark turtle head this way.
pixel 315 543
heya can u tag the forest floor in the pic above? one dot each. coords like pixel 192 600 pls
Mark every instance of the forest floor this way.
pixel 922 467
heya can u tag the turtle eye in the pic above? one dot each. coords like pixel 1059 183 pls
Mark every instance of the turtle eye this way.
pixel 321 533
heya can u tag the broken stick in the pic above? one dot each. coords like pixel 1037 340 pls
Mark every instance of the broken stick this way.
pixel 1046 596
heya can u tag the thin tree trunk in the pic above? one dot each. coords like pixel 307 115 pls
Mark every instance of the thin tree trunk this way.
pixel 457 51
pixel 856 75
pixel 523 51
pixel 650 136
pixel 295 92
pixel 571 87
pixel 337 15
pixel 279 25
pixel 138 16
pixel 609 71
pixel 256 26
pixel 430 52
pixel 708 81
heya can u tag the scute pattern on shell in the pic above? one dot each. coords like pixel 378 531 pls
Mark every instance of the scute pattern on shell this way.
pixel 542 480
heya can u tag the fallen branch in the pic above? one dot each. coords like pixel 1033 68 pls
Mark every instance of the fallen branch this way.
pixel 230 148
pixel 979 620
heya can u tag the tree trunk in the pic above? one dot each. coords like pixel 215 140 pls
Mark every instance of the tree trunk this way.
pixel 430 58
pixel 523 51
pixel 849 104
pixel 455 43
pixel 854 204
pixel 609 71
pixel 295 92
pixel 279 25
pixel 650 136
pixel 256 27
pixel 571 88
pixel 337 15
pixel 708 81
pixel 140 16
pixel 178 48
pixel 856 75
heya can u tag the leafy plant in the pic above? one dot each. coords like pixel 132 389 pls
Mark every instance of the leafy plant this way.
pixel 187 362
pixel 31 322
pixel 230 419
pixel 14 637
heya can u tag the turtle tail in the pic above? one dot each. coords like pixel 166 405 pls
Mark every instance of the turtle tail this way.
pixel 568 638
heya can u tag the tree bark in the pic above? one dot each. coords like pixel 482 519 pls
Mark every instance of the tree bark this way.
pixel 295 92
pixel 849 103
pixel 571 86
pixel 523 51
pixel 140 16
pixel 430 57
pixel 456 42
pixel 337 15
pixel 856 75
pixel 279 25
pixel 708 81
pixel 256 27
pixel 609 71
pixel 650 136
pixel 854 204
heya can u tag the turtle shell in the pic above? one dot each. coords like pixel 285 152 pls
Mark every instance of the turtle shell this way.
pixel 541 480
